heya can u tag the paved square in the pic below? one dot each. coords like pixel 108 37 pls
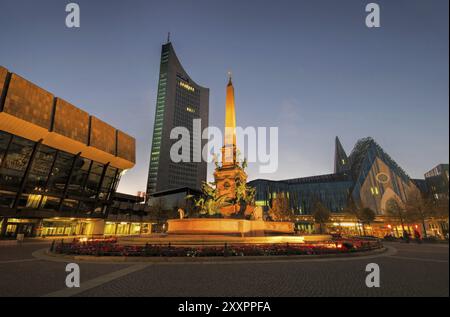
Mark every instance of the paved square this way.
pixel 407 270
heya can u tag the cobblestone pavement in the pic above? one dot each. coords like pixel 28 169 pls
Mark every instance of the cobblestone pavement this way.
pixel 414 270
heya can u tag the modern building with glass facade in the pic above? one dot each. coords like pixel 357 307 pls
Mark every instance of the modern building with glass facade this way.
pixel 59 166
pixel 128 215
pixel 368 176
pixel 437 181
pixel 179 101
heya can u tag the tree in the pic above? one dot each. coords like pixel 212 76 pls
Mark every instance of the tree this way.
pixel 280 211
pixel 321 214
pixel 441 211
pixel 441 208
pixel 420 209
pixel 353 210
pixel 394 209
pixel 366 216
pixel 157 208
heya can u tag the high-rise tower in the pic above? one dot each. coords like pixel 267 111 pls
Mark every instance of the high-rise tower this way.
pixel 179 101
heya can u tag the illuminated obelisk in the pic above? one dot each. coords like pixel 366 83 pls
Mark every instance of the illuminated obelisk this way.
pixel 230 173
pixel 229 140
pixel 241 216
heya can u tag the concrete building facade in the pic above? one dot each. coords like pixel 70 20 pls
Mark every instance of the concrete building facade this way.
pixel 59 166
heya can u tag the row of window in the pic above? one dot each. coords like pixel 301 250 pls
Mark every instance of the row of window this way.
pixel 333 196
pixel 44 176
pixel 158 125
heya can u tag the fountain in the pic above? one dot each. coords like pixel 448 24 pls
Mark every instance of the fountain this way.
pixel 228 201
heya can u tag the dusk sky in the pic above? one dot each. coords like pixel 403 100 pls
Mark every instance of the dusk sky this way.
pixel 311 68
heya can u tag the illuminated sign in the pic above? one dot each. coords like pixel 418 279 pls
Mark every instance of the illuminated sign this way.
pixel 186 86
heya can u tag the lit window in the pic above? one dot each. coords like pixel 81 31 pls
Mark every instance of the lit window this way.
pixel 374 191
pixel 189 109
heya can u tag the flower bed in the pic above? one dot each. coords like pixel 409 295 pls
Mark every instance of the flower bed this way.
pixel 111 248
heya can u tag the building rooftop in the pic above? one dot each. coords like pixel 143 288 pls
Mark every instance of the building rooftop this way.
pixel 437 170
pixel 176 191
pixel 367 148
pixel 326 178
pixel 33 113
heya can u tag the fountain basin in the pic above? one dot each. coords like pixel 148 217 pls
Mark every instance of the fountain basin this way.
pixel 222 226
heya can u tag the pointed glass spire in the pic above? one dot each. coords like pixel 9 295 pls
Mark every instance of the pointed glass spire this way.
pixel 340 158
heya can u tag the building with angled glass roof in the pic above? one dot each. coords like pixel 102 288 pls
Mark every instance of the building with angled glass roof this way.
pixel 368 176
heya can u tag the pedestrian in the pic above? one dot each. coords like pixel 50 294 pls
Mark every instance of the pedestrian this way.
pixel 417 236
pixel 406 236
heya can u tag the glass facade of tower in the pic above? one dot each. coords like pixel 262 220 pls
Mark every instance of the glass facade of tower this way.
pixel 159 120
pixel 187 107
pixel 179 102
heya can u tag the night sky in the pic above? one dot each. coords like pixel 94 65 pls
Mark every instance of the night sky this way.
pixel 311 68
